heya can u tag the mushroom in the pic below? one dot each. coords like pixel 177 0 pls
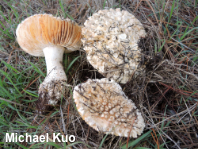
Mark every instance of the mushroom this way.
pixel 110 39
pixel 48 36
pixel 105 107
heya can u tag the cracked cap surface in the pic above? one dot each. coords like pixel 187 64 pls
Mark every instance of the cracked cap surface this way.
pixel 105 107
pixel 110 39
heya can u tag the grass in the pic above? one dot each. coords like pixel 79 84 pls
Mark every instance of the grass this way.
pixel 166 95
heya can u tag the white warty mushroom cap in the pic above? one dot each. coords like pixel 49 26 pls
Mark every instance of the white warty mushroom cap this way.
pixel 110 39
pixel 105 107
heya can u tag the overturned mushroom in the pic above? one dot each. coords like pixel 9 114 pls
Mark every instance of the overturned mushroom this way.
pixel 110 39
pixel 45 35
pixel 105 107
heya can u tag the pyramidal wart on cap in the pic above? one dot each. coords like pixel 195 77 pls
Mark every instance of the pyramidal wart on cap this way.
pixel 105 107
pixel 110 39
pixel 48 36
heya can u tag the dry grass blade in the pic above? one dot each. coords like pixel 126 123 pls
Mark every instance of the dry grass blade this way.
pixel 166 94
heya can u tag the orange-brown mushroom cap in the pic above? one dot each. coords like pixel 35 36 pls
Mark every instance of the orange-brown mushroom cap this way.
pixel 43 30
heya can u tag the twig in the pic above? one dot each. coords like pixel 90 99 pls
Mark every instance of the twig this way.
pixel 61 112
pixel 183 44
pixel 12 102
pixel 189 109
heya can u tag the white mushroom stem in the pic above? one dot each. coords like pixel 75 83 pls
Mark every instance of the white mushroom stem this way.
pixel 53 87
pixel 43 35
pixel 54 58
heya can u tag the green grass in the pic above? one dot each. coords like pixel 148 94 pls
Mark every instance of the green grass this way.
pixel 174 35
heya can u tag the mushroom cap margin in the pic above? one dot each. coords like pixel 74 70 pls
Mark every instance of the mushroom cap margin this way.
pixel 42 30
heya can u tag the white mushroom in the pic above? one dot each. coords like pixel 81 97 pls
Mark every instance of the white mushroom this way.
pixel 110 39
pixel 105 107
pixel 45 35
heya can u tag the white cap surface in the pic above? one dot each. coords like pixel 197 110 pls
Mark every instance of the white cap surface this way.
pixel 105 107
pixel 110 39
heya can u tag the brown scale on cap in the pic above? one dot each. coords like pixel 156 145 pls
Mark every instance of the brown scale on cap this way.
pixel 110 39
pixel 105 107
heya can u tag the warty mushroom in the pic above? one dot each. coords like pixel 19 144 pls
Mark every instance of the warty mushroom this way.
pixel 105 107
pixel 48 36
pixel 110 39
